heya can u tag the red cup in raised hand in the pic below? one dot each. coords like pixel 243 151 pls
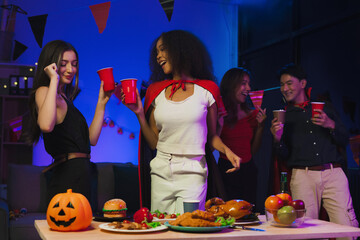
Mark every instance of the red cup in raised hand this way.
pixel 106 75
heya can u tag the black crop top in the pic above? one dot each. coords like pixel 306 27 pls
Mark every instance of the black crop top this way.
pixel 72 135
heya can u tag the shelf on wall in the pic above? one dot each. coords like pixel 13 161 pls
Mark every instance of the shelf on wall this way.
pixel 13 108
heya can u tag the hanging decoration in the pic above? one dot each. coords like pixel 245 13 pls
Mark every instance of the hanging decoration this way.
pixel 37 24
pixel 19 49
pixel 132 136
pixel 256 97
pixel 168 6
pixel 101 13
pixel 120 130
pixel 111 123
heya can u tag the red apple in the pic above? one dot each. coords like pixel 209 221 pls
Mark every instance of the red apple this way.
pixel 299 205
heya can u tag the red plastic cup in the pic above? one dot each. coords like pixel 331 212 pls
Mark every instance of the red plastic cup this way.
pixel 129 89
pixel 106 75
pixel 316 105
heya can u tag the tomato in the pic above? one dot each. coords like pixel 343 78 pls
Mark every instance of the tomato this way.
pixel 273 203
pixel 144 226
pixel 161 216
pixel 126 221
pixel 173 215
pixel 154 215
pixel 285 197
pixel 143 214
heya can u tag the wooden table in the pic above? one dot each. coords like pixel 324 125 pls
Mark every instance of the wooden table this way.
pixel 312 228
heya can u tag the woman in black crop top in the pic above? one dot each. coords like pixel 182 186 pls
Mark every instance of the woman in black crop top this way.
pixel 67 137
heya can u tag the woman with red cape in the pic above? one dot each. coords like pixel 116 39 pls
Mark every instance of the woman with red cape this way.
pixel 178 119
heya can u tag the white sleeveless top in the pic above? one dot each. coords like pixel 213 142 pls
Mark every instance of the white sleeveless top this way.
pixel 182 125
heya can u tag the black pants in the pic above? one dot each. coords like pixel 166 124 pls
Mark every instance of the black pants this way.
pixel 76 174
pixel 241 184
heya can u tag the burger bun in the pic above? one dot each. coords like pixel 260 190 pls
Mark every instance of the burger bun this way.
pixel 115 208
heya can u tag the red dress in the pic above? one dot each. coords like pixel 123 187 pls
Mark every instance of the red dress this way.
pixel 241 184
pixel 239 137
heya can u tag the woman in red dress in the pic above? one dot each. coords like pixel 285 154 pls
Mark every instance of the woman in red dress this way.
pixel 242 132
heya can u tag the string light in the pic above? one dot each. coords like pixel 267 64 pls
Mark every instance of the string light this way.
pixel 120 130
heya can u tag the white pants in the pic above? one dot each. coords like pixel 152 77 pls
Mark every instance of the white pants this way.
pixel 175 178
pixel 329 187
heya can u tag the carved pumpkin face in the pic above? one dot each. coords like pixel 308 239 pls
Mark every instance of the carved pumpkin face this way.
pixel 69 212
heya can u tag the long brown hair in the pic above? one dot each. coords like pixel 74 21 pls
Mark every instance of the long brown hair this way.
pixel 228 86
pixel 51 53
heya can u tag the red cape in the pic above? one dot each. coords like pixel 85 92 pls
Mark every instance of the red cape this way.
pixel 155 89
pixel 215 186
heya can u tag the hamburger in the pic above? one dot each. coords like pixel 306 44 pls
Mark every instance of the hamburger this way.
pixel 115 208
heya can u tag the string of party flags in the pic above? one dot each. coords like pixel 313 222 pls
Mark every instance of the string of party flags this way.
pixel 37 23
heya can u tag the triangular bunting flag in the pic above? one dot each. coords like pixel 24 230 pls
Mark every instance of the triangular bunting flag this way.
pixel 168 6
pixel 19 48
pixel 256 97
pixel 37 24
pixel 101 13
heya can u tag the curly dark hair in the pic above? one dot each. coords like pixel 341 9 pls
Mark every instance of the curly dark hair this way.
pixel 51 53
pixel 228 86
pixel 186 53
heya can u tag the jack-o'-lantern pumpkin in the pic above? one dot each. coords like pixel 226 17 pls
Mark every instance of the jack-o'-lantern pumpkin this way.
pixel 69 212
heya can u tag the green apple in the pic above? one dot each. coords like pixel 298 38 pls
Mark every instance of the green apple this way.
pixel 286 215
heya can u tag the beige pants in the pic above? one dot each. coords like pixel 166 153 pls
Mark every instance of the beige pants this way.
pixel 329 187
pixel 175 178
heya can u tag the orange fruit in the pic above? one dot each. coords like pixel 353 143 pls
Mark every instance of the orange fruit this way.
pixel 275 216
pixel 285 197
pixel 273 203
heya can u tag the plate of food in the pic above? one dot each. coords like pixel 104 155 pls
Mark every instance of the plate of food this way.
pixel 163 216
pixel 199 221
pixel 113 227
pixel 195 229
